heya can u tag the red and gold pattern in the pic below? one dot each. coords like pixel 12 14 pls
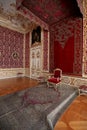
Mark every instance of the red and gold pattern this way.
pixel 51 57
pixel 50 11
pixel 10 42
pixel 78 47
pixel 27 51
pixel 85 38
pixel 61 33
pixel 45 50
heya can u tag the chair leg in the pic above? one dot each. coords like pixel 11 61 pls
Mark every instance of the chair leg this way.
pixel 55 87
pixel 52 85
pixel 48 84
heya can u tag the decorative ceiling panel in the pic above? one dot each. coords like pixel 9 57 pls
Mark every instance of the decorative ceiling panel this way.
pixel 24 15
pixel 50 11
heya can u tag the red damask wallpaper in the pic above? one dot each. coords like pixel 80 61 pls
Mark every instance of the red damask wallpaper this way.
pixel 11 48
pixel 27 50
pixel 66 46
pixel 51 56
pixel 45 50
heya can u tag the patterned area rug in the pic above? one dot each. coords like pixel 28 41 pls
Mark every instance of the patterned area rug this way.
pixel 28 109
pixel 40 95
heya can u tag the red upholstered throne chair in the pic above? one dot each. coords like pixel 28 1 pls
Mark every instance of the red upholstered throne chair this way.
pixel 55 79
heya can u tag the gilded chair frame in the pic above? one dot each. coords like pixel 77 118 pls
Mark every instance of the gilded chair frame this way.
pixel 52 84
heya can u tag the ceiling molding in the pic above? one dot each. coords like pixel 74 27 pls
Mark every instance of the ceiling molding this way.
pixel 32 17
pixel 13 19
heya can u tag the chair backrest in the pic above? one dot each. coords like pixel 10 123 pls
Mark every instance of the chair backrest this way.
pixel 57 73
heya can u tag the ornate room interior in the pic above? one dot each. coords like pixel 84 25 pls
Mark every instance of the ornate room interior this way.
pixel 38 36
pixel 62 38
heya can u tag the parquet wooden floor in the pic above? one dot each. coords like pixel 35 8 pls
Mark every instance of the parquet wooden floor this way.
pixel 75 117
pixel 11 85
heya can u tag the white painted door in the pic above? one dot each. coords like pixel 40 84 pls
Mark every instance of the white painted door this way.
pixel 35 62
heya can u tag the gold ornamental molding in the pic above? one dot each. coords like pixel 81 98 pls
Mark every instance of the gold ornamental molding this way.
pixel 84 38
pixel 11 18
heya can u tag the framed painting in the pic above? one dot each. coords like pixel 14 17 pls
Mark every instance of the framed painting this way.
pixel 36 35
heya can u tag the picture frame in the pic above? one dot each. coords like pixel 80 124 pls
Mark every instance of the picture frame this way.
pixel 36 35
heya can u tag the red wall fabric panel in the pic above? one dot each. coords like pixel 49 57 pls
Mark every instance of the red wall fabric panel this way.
pixel 64 57
pixel 51 52
pixel 27 50
pixel 11 48
pixel 45 50
pixel 66 45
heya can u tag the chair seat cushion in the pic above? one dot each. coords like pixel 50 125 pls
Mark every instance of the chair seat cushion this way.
pixel 83 87
pixel 54 80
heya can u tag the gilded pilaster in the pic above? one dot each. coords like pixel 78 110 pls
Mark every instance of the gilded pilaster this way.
pixel 84 38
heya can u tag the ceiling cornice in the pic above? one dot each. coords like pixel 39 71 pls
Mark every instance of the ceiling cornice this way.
pixel 33 18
